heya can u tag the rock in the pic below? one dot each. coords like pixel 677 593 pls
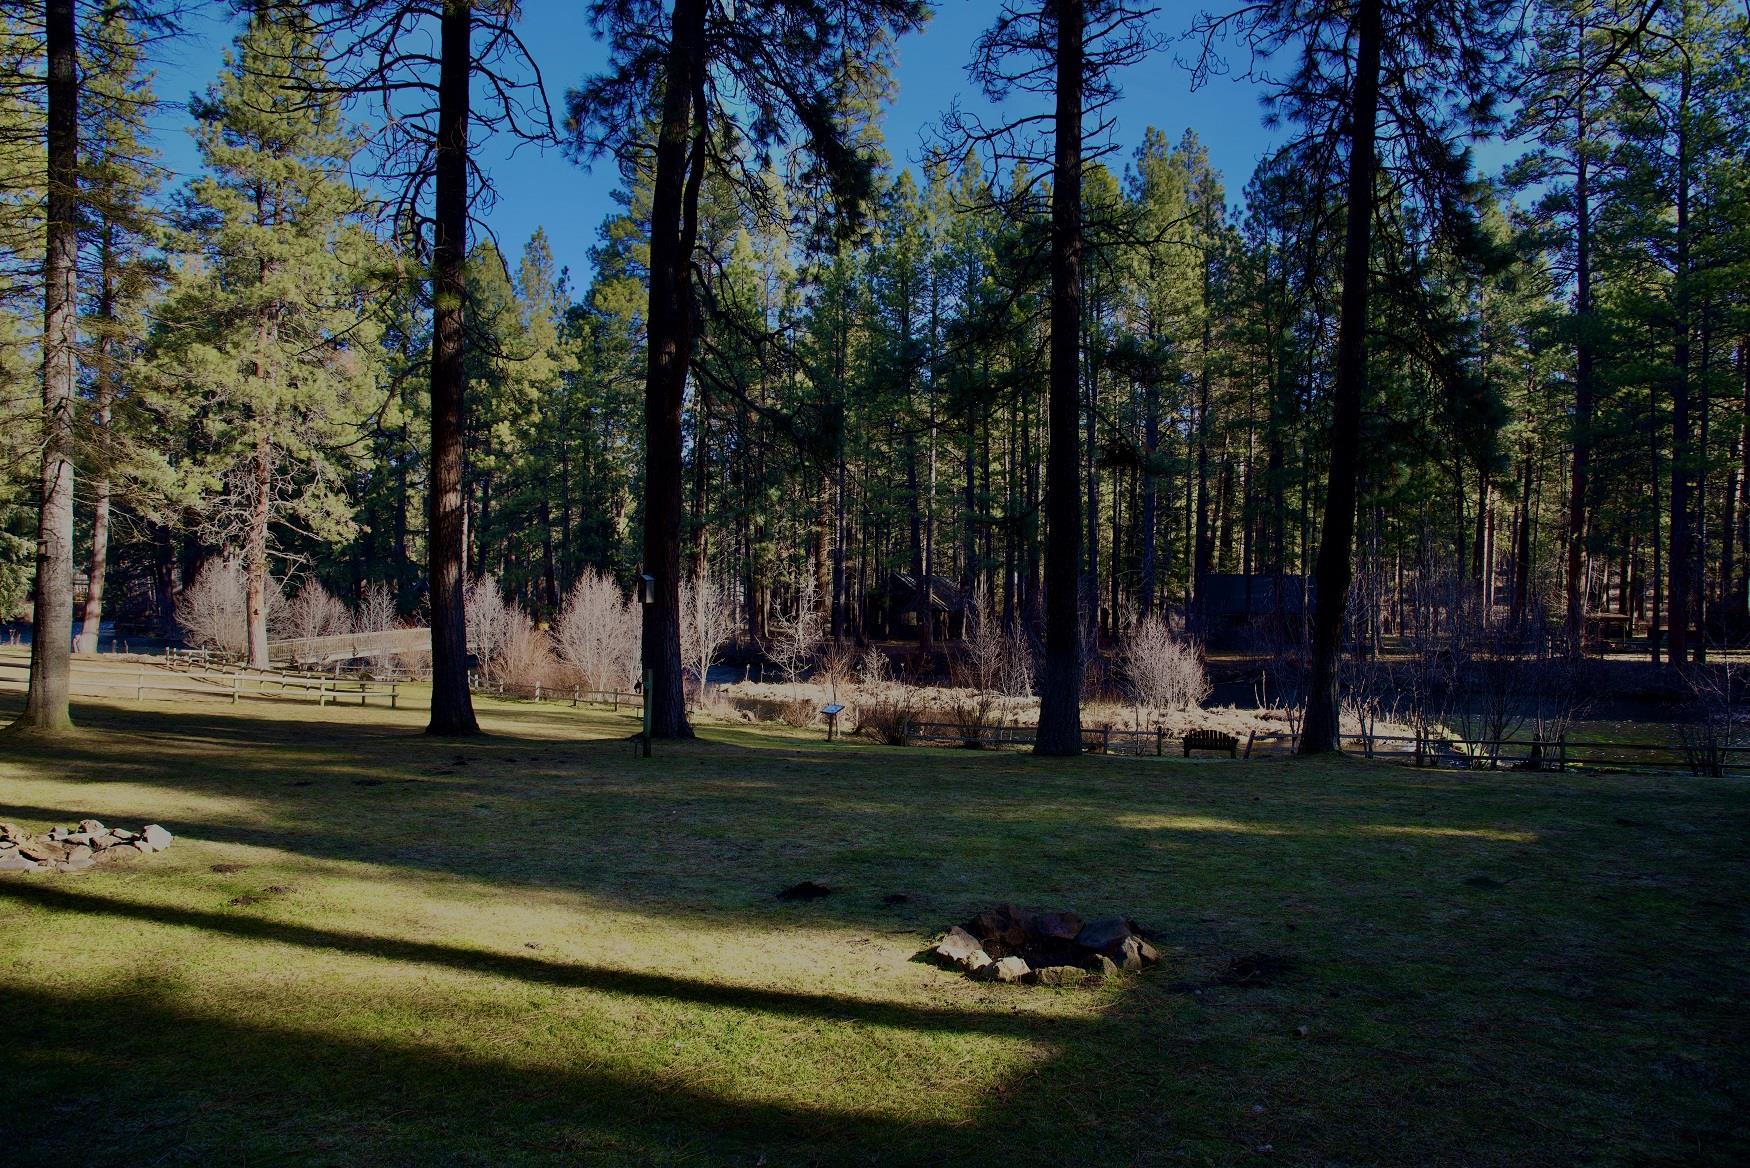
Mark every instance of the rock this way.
pixel 1104 966
pixel 960 947
pixel 1003 928
pixel 1129 957
pixel 977 963
pixel 42 850
pixel 11 861
pixel 156 836
pixel 1010 969
pixel 91 827
pixel 9 831
pixel 80 839
pixel 1057 926
pixel 57 834
pixel 1060 975
pixel 1150 954
pixel 106 840
pixel 1105 935
pixel 78 859
pixel 123 834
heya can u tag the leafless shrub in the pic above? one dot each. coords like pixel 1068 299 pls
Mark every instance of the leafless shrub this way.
pixel 1282 680
pixel 975 716
pixel 600 633
pixel 525 658
pixel 1433 662
pixel 377 610
pixel 798 712
pixel 796 636
pixel 1719 722
pixel 213 610
pixel 210 609
pixel 489 621
pixel 872 668
pixel 708 619
pixel 892 721
pixel 1493 672
pixel 1164 671
pixel 838 664
pixel 1363 690
pixel 995 659
pixel 314 612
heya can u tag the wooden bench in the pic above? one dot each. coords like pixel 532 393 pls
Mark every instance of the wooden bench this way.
pixel 1211 740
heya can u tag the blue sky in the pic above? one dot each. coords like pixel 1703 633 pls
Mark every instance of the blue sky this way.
pixel 543 188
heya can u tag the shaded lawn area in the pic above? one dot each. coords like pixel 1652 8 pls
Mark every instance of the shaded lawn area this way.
pixel 538 948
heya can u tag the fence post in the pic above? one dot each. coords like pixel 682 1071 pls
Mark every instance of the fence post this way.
pixel 321 691
pixel 392 695
pixel 1160 740
pixel 537 692
pixel 574 697
pixel 1562 759
pixel 1105 740
pixel 140 685
pixel 236 687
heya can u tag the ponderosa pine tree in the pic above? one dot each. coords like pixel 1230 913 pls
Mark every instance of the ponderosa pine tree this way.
pixel 670 72
pixel 1067 50
pixel 269 330
pixel 1439 64
pixel 120 176
pixel 46 708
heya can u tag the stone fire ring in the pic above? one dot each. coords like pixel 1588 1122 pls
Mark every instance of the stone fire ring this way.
pixel 1008 944
pixel 77 849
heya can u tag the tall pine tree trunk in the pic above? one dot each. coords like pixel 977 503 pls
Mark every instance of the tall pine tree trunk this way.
pixel 1583 386
pixel 51 630
pixel 1060 682
pixel 1334 568
pixel 452 709
pixel 673 225
pixel 91 620
pixel 1151 440
pixel 255 550
pixel 1680 568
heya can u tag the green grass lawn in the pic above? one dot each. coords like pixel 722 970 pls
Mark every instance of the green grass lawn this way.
pixel 538 948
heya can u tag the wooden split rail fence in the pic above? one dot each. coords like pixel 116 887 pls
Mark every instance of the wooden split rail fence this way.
pixel 142 680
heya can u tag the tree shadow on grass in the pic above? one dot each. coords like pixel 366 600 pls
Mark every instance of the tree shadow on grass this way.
pixel 127 1071
pixel 711 827
pixel 539 970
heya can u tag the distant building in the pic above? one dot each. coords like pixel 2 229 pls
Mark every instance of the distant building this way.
pixel 899 604
pixel 1234 610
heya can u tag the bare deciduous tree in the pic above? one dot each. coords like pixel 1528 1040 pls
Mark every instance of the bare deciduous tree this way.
pixel 488 620
pixel 1165 672
pixel 598 633
pixel 213 610
pixel 796 637
pixel 708 615
pixel 314 612
pixel 377 611
pixel 997 660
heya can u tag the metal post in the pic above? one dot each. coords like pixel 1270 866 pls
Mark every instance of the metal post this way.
pixel 649 683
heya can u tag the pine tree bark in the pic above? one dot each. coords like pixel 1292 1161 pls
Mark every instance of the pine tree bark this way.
pixel 46 708
pixel 1680 566
pixel 452 708
pixel 1060 682
pixel 671 328
pixel 1580 469
pixel 255 551
pixel 1334 568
